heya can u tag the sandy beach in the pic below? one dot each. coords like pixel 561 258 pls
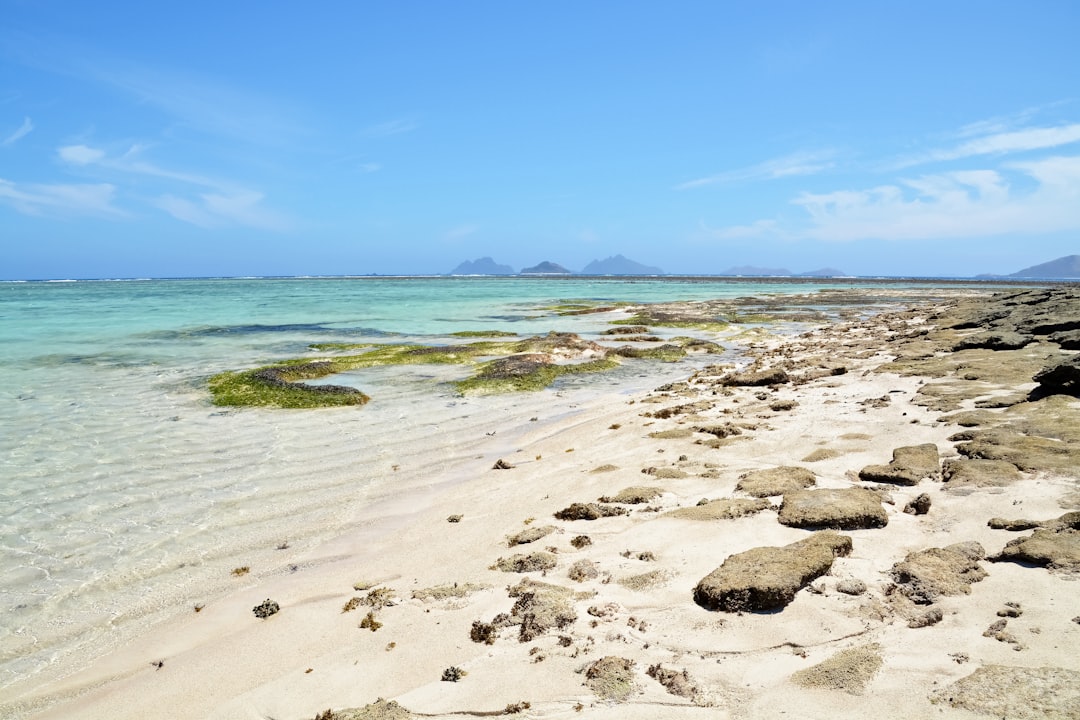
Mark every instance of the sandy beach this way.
pixel 875 517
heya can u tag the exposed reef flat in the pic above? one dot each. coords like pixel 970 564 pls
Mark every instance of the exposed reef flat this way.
pixel 637 560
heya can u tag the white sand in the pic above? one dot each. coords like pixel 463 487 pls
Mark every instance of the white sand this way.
pixel 224 663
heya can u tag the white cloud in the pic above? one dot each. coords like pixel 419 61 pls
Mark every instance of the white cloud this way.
pixel 81 199
pixel 761 228
pixel 217 210
pixel 807 163
pixel 460 232
pixel 80 154
pixel 23 130
pixel 951 205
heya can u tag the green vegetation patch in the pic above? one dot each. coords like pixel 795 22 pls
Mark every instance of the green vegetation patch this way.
pixel 525 373
pixel 483 333
pixel 659 320
pixel 520 365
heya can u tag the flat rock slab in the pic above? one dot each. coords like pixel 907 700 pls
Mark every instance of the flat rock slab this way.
pixel 847 509
pixel 909 466
pixel 1000 691
pixel 767 578
pixel 978 473
pixel 721 509
pixel 756 378
pixel 1058 549
pixel 926 575
pixel 1003 340
pixel 775 481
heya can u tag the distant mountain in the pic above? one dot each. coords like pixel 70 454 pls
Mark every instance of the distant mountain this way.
pixel 546 268
pixel 823 273
pixel 482 266
pixel 753 270
pixel 1063 267
pixel 619 265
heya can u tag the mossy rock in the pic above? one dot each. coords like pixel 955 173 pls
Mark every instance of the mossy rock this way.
pixel 589 511
pixel 530 535
pixel 1020 693
pixel 847 671
pixel 724 509
pixel 965 473
pixel 378 710
pixel 767 578
pixel 775 481
pixel 635 495
pixel 1046 547
pixel 611 678
pixel 845 509
pixel 532 562
pixel 910 465
pixel 926 575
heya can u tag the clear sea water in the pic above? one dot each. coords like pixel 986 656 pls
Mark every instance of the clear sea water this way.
pixel 125 495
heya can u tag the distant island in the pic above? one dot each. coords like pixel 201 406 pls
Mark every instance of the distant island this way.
pixel 482 266
pixel 754 271
pixel 546 268
pixel 619 265
pixel 1063 267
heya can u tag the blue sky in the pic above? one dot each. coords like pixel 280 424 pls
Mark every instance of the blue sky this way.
pixel 267 138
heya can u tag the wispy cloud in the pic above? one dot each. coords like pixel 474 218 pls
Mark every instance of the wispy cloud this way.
pixel 460 232
pixel 25 129
pixel 77 199
pixel 213 210
pixel 804 163
pixel 759 229
pixel 391 127
pixel 219 203
pixel 1000 142
pixel 80 154
pixel 964 204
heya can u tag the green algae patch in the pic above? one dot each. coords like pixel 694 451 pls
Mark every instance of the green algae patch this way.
pixel 250 389
pixel 281 385
pixel 525 373
pixel 330 347
pixel 482 333
pixel 526 364
pixel 659 320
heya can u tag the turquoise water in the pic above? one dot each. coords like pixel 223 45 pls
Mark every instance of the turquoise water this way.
pixel 126 496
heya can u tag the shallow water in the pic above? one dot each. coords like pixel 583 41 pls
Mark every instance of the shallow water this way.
pixel 124 494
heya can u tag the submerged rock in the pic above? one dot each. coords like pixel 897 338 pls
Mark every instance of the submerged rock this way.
pixel 767 578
